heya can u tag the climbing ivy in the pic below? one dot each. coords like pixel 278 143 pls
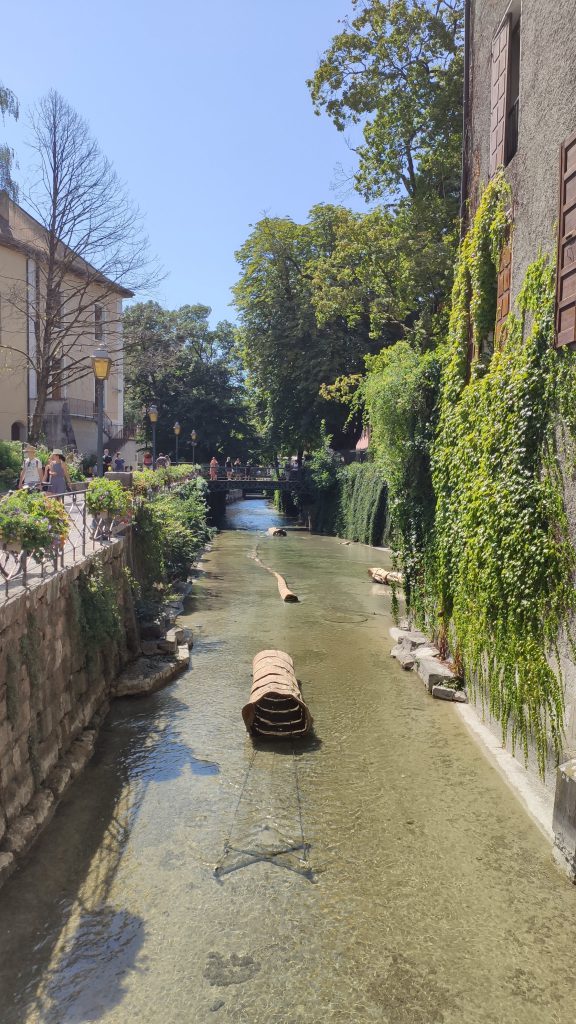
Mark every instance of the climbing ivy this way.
pixel 501 565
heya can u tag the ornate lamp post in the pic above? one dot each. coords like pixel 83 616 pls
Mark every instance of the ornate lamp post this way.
pixel 177 428
pixel 101 366
pixel 153 417
pixel 194 438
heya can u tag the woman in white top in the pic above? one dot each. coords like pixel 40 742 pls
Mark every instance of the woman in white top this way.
pixel 31 475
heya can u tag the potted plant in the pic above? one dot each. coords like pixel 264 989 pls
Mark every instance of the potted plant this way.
pixel 107 499
pixel 32 522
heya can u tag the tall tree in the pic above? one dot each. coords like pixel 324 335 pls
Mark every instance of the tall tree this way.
pixel 289 350
pixel 192 373
pixel 396 70
pixel 8 105
pixel 91 244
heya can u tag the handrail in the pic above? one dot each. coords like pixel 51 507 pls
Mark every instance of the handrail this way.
pixel 86 534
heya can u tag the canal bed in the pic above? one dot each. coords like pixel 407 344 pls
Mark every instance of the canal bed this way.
pixel 381 872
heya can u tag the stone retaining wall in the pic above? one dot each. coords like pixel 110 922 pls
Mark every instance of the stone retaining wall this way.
pixel 55 682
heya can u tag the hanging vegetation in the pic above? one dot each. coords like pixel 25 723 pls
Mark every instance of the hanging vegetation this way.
pixel 501 568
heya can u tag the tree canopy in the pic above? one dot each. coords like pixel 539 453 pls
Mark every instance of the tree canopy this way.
pixel 8 105
pixel 191 372
pixel 396 69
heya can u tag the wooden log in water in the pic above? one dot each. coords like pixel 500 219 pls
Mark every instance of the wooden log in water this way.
pixel 386 576
pixel 285 593
pixel 275 708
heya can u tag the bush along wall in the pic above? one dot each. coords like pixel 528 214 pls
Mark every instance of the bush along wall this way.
pixel 346 501
pixel 500 566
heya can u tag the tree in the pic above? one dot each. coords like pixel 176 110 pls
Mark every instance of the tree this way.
pixel 289 350
pixel 8 105
pixel 396 69
pixel 91 247
pixel 192 373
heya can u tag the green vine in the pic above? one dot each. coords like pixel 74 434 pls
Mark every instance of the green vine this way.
pixel 502 564
pixel 99 616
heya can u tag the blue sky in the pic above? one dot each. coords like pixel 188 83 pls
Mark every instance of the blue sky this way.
pixel 203 109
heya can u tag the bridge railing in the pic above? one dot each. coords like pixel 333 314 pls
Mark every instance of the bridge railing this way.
pixel 248 473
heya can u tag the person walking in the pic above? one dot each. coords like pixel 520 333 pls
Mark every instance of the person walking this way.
pixel 214 468
pixel 32 470
pixel 118 463
pixel 107 460
pixel 56 474
pixel 237 469
pixel 161 461
pixel 147 460
pixel 228 465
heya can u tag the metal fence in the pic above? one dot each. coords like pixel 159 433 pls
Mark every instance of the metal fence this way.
pixel 86 534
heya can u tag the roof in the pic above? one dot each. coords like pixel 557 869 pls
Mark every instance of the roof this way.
pixel 9 240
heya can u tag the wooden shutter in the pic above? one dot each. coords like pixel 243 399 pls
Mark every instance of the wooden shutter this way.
pixel 499 95
pixel 566 273
pixel 503 300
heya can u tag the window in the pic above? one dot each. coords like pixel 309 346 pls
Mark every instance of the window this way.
pixel 98 322
pixel 566 269
pixel 505 91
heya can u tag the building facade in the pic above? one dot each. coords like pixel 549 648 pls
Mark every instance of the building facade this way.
pixel 91 311
pixel 520 115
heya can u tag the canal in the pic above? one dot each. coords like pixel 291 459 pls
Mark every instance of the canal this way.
pixel 382 872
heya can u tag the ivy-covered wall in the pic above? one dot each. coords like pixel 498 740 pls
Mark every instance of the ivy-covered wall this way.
pixel 351 502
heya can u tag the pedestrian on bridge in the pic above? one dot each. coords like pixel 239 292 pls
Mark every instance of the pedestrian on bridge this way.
pixel 214 468
pixel 228 465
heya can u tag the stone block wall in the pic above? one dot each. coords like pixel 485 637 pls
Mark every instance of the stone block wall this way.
pixel 56 672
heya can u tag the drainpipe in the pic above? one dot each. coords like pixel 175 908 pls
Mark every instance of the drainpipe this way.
pixel 465 116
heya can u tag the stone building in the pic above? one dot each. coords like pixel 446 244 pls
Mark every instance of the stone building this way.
pixel 520 114
pixel 92 307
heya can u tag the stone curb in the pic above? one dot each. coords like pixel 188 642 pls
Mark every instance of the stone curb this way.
pixel 413 650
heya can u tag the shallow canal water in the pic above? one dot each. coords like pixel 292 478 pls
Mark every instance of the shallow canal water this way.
pixel 382 872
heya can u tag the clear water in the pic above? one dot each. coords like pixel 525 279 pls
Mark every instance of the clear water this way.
pixel 381 872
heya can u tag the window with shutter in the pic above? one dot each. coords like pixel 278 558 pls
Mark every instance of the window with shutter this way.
pixel 503 296
pixel 566 272
pixel 499 95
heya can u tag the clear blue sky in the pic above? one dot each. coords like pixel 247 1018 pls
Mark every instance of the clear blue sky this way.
pixel 203 109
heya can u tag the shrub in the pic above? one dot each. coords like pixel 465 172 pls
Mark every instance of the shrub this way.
pixel 10 464
pixel 33 522
pixel 108 497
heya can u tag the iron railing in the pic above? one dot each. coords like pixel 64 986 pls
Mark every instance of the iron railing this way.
pixel 86 534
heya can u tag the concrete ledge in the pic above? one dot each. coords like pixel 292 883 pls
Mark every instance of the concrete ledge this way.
pixel 146 676
pixel 564 817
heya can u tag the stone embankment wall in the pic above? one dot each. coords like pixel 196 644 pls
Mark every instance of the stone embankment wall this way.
pixel 59 655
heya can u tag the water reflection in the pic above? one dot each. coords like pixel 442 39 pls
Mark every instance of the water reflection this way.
pixel 175 882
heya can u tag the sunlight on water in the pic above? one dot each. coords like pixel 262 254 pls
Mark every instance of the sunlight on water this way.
pixel 380 871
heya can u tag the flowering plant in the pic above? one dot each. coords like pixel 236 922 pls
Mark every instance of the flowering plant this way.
pixel 33 523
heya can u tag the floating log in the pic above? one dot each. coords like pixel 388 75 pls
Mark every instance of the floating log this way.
pixel 275 707
pixel 386 576
pixel 285 593
pixel 276 531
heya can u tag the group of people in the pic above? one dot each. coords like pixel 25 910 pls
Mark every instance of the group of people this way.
pixel 234 470
pixel 162 461
pixel 53 478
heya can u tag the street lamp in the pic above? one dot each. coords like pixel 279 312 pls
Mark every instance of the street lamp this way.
pixel 153 417
pixel 101 366
pixel 194 438
pixel 177 428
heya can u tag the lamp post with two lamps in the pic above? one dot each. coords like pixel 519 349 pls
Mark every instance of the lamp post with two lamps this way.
pixel 101 366
pixel 153 417
pixel 176 428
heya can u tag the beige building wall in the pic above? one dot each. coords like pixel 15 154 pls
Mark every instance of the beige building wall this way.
pixel 17 381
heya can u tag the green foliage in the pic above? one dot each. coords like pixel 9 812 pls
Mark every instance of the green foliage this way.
pixel 169 531
pixel 363 503
pixel 108 497
pixel 8 105
pixel 99 617
pixel 193 374
pixel 33 522
pixel 501 570
pixel 10 464
pixel 396 69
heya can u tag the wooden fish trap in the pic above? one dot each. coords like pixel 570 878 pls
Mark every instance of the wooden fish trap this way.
pixel 276 707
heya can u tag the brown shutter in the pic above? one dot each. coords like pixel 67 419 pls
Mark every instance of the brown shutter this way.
pixel 499 95
pixel 503 300
pixel 566 274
